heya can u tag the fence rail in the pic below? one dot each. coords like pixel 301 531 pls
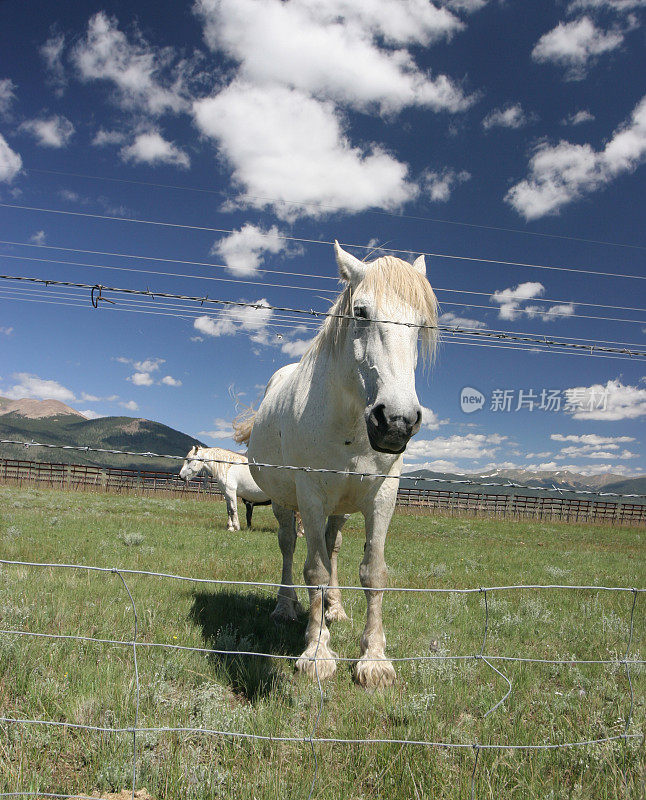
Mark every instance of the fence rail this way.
pixel 449 501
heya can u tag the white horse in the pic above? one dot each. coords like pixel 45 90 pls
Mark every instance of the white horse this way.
pixel 349 404
pixel 234 479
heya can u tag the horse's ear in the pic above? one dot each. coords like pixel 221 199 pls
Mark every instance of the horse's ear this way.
pixel 420 265
pixel 192 451
pixel 350 268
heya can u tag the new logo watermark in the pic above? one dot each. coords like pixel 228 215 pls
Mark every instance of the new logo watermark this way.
pixel 568 400
pixel 471 400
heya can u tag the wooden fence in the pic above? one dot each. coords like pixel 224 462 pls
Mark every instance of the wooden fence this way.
pixel 446 501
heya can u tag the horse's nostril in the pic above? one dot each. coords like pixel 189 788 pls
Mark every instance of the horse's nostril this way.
pixel 378 416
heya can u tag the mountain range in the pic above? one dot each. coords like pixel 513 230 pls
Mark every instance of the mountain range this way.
pixel 53 422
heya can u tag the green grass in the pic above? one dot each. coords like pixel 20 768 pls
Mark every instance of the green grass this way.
pixel 93 684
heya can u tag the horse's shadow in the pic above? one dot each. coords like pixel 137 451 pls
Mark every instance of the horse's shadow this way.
pixel 237 621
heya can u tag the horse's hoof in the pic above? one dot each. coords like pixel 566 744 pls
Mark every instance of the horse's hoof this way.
pixel 285 611
pixel 374 674
pixel 335 613
pixel 319 663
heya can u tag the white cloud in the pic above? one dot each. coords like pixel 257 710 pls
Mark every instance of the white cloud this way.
pixel 591 439
pixel 39 237
pixel 610 402
pixel 152 148
pixel 578 117
pixel 345 50
pixel 472 446
pixel 250 320
pixel 6 331
pixel 509 300
pixel 7 94
pixel 32 386
pixel 565 172
pixel 55 131
pixel 284 145
pixel 587 452
pixel 10 161
pixel 105 137
pixel 168 380
pixel 297 347
pixel 574 45
pixel 52 54
pixel 243 251
pixel 431 420
pixel 619 6
pixel 587 469
pixel 439 185
pixel 223 430
pixel 90 414
pixel 130 405
pixel 438 465
pixel 141 379
pixel 144 78
pixel 467 6
pixel 510 117
pixel 551 313
pixel 455 321
pixel 147 365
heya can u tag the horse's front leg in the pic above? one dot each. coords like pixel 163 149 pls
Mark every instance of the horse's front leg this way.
pixel 333 606
pixel 233 523
pixel 287 605
pixel 317 660
pixel 373 670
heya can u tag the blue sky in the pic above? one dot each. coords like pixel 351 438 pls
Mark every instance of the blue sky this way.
pixel 475 131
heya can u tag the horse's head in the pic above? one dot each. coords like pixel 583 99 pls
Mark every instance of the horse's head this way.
pixel 192 465
pixel 385 353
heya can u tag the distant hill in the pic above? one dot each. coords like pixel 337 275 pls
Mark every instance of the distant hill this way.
pixel 37 409
pixel 52 422
pixel 563 480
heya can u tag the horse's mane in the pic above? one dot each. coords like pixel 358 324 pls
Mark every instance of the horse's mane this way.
pixel 385 278
pixel 216 467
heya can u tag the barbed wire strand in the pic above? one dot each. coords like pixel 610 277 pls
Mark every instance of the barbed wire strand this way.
pixel 348 473
pixel 302 240
pixel 588 351
pixel 265 270
pixel 535 312
pixel 455 339
pixel 543 341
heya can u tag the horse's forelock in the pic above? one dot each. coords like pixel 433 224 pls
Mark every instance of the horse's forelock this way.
pixel 386 278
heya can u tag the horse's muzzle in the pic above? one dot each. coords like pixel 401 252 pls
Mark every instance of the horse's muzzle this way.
pixel 390 433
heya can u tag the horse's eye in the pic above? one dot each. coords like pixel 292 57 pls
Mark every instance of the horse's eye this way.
pixel 361 312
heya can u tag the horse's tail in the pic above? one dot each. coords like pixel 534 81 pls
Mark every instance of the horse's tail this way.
pixel 243 425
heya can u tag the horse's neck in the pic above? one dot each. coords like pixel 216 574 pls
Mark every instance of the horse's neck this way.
pixel 328 376
pixel 216 468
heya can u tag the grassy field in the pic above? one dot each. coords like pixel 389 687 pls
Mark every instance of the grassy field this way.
pixel 441 700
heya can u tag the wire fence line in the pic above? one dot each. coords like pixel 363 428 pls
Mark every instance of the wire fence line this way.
pixel 457 338
pixel 542 341
pixel 312 739
pixel 302 240
pixel 258 271
pixel 362 475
